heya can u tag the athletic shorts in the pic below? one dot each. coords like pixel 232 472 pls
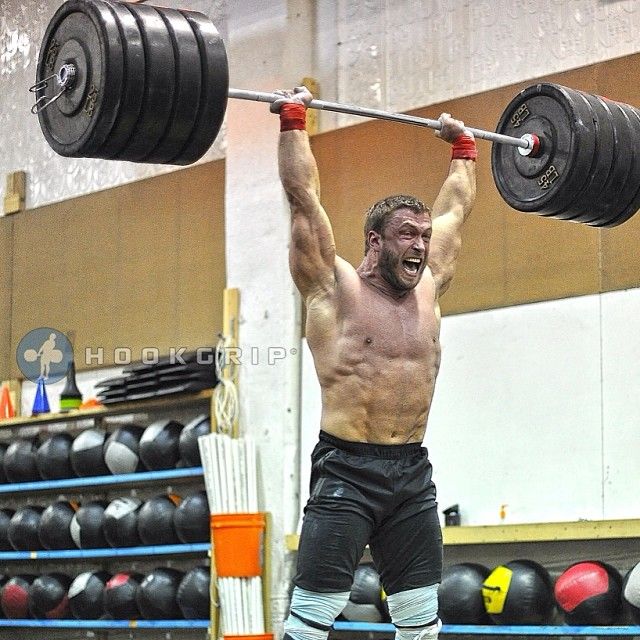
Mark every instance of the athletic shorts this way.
pixel 381 495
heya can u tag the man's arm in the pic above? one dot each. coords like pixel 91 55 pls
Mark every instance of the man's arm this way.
pixel 312 251
pixel 453 204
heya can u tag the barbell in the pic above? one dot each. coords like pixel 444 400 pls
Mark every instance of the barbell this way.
pixel 134 82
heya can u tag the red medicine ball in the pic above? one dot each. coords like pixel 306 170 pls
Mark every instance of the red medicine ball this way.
pixel 14 599
pixel 589 593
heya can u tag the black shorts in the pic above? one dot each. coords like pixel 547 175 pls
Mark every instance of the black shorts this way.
pixel 381 495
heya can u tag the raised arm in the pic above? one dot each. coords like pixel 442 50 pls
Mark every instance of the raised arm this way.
pixel 453 204
pixel 312 250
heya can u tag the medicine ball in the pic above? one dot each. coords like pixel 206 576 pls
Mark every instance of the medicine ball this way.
pixel 3 580
pixel 365 600
pixel 121 522
pixel 23 529
pixel 156 595
pixel 20 461
pixel 159 444
pixel 3 449
pixel 48 596
pixel 460 594
pixel 86 594
pixel 519 592
pixel 589 593
pixel 631 592
pixel 193 596
pixel 191 519
pixel 5 518
pixel 188 442
pixel 87 453
pixel 155 520
pixel 14 599
pixel 86 526
pixel 53 457
pixel 121 450
pixel 119 597
pixel 54 528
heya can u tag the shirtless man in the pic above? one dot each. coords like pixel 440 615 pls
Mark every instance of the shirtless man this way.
pixel 374 335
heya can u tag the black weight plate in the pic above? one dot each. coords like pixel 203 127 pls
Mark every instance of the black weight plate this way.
pixel 86 35
pixel 633 181
pixel 581 209
pixel 159 88
pixel 545 184
pixel 134 82
pixel 188 87
pixel 215 89
pixel 608 205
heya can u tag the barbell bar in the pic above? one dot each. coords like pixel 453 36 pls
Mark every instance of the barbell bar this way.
pixel 134 82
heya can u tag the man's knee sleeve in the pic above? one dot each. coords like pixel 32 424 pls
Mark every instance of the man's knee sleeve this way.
pixel 312 614
pixel 415 613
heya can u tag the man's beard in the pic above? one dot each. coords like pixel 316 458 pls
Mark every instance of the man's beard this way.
pixel 389 264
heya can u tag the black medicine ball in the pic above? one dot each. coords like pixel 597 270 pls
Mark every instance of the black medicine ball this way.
pixel 157 593
pixel 155 521
pixel 54 528
pixel 86 526
pixel 519 592
pixel 188 442
pixel 460 594
pixel 121 522
pixel 193 594
pixel 5 518
pixel 87 453
pixel 588 593
pixel 365 599
pixel 191 519
pixel 119 596
pixel 14 599
pixel 20 461
pixel 3 449
pixel 48 596
pixel 159 445
pixel 23 529
pixel 121 450
pixel 86 595
pixel 631 592
pixel 53 458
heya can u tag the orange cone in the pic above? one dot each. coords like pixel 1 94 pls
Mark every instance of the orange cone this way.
pixel 6 407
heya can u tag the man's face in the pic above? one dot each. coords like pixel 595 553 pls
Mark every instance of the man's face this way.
pixel 404 248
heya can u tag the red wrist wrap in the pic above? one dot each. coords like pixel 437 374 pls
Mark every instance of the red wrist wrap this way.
pixel 464 148
pixel 293 116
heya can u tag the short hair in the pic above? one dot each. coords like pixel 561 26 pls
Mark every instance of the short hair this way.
pixel 377 216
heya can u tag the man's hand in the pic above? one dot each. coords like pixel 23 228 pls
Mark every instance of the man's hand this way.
pixel 299 95
pixel 451 128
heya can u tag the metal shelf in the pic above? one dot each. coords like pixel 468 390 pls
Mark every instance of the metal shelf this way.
pixel 506 630
pixel 108 624
pixel 96 481
pixel 68 554
pixel 119 408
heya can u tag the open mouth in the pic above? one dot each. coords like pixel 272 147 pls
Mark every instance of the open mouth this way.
pixel 412 265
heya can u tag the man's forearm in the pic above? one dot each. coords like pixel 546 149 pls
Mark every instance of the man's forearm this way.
pixel 297 166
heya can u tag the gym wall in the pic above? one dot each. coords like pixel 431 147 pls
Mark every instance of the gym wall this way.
pixel 140 265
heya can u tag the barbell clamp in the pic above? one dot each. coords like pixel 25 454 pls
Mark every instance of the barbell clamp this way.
pixel 533 145
pixel 66 78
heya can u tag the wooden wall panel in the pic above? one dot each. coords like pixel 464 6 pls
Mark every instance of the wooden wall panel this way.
pixel 6 234
pixel 508 257
pixel 141 265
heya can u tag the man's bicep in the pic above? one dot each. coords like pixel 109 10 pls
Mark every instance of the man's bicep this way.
pixel 312 251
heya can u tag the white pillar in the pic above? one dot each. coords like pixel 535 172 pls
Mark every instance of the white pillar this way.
pixel 261 41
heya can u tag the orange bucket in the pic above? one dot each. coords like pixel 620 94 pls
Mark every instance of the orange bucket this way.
pixel 238 545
